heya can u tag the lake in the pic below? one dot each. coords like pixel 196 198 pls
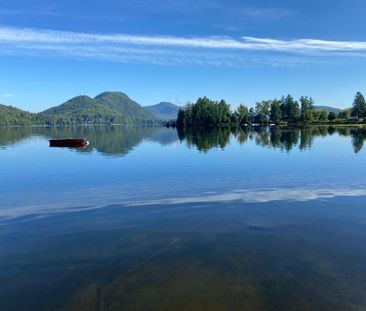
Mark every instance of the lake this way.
pixel 148 218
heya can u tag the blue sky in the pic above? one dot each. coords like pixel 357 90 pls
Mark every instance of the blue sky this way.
pixel 242 51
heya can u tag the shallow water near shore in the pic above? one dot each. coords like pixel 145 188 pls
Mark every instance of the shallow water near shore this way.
pixel 148 218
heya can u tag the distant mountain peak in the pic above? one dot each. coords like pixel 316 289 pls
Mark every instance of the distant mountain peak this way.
pixel 110 93
pixel 164 110
pixel 80 98
pixel 166 103
pixel 120 102
pixel 328 109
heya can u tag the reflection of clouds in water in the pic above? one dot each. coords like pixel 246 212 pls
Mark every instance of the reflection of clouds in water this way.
pixel 258 196
pixel 174 145
pixel 244 196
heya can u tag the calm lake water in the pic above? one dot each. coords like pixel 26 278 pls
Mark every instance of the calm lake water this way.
pixel 146 218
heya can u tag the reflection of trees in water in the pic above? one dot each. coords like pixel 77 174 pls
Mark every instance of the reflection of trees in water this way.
pixel 205 140
pixel 284 139
pixel 109 140
pixel 275 137
pixel 13 135
pixel 119 140
pixel 358 138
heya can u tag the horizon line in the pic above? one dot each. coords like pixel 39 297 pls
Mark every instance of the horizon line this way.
pixel 162 101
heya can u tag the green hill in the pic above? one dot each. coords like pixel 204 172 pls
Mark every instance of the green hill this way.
pixel 74 105
pixel 13 116
pixel 81 110
pixel 124 105
pixel 106 108
pixel 164 110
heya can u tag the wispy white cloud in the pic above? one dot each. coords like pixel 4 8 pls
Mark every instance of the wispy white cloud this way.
pixel 8 95
pixel 9 35
pixel 176 101
pixel 266 12
pixel 152 55
pixel 214 50
pixel 11 12
pixel 303 45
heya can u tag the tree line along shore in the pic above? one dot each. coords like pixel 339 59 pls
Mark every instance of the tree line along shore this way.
pixel 206 113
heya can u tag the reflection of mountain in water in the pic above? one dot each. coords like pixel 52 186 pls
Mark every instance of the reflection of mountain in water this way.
pixel 119 140
pixel 164 136
pixel 14 135
pixel 109 140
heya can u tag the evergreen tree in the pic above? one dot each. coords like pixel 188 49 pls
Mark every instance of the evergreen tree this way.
pixel 263 110
pixel 359 106
pixel 252 115
pixel 323 115
pixel 290 109
pixel 307 108
pixel 344 114
pixel 206 113
pixel 276 114
pixel 243 115
pixel 331 116
pixel 181 118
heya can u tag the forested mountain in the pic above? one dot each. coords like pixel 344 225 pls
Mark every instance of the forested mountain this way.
pixel 80 110
pixel 121 103
pixel 13 116
pixel 328 109
pixel 106 108
pixel 164 110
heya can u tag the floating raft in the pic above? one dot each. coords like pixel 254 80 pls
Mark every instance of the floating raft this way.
pixel 69 142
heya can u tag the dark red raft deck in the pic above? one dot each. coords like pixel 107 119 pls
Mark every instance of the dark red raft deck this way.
pixel 70 142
